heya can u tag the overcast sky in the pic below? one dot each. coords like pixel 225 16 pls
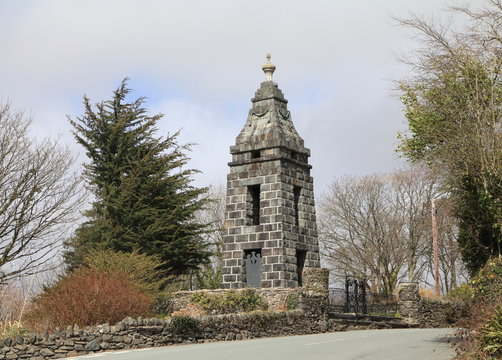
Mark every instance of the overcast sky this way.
pixel 199 63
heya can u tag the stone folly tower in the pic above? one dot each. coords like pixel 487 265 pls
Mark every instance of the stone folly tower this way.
pixel 270 223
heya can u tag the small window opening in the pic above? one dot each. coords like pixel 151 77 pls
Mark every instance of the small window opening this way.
pixel 294 155
pixel 254 204
pixel 255 154
pixel 297 192
pixel 300 264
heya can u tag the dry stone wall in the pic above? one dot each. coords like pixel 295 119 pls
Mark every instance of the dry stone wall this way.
pixel 311 318
pixel 426 312
pixel 274 298
pixel 435 313
pixel 141 333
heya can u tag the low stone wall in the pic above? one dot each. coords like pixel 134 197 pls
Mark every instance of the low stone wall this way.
pixel 427 312
pixel 315 286
pixel 438 313
pixel 274 298
pixel 140 333
pixel 311 318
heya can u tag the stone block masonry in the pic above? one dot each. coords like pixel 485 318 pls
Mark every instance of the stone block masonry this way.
pixel 270 223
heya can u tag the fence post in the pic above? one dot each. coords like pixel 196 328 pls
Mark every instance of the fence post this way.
pixel 362 283
pixel 347 297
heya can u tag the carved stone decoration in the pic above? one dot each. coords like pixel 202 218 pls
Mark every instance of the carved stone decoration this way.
pixel 253 269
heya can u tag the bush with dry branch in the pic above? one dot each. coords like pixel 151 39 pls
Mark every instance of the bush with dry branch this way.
pixel 12 303
pixel 141 269
pixel 88 296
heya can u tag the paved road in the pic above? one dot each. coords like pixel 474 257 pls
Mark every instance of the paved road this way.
pixel 399 344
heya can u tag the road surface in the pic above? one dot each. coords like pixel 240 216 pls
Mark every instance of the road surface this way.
pixel 399 344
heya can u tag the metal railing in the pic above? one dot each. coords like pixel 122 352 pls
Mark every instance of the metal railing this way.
pixel 350 301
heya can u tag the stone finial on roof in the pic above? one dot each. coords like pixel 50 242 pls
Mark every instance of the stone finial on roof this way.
pixel 268 68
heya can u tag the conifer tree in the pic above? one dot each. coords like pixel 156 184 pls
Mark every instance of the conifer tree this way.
pixel 144 199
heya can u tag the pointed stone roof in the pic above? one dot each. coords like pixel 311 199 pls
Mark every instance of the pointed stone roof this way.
pixel 269 122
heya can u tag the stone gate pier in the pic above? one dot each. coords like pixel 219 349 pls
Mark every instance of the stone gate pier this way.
pixel 409 301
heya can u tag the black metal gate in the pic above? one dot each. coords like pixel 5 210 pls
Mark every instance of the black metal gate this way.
pixel 355 296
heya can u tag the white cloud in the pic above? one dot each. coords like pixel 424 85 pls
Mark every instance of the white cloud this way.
pixel 199 63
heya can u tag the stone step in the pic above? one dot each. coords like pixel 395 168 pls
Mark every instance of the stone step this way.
pixel 376 324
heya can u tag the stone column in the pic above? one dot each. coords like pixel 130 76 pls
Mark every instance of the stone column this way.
pixel 316 279
pixel 409 301
pixel 270 208
pixel 314 294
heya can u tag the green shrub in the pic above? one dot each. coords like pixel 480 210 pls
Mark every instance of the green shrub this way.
pixel 184 325
pixel 488 281
pixel 492 334
pixel 162 304
pixel 461 294
pixel 208 277
pixel 485 314
pixel 292 301
pixel 10 329
pixel 230 301
pixel 204 300
pixel 140 268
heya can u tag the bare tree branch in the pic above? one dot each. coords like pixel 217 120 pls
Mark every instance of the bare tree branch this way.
pixel 378 227
pixel 40 196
